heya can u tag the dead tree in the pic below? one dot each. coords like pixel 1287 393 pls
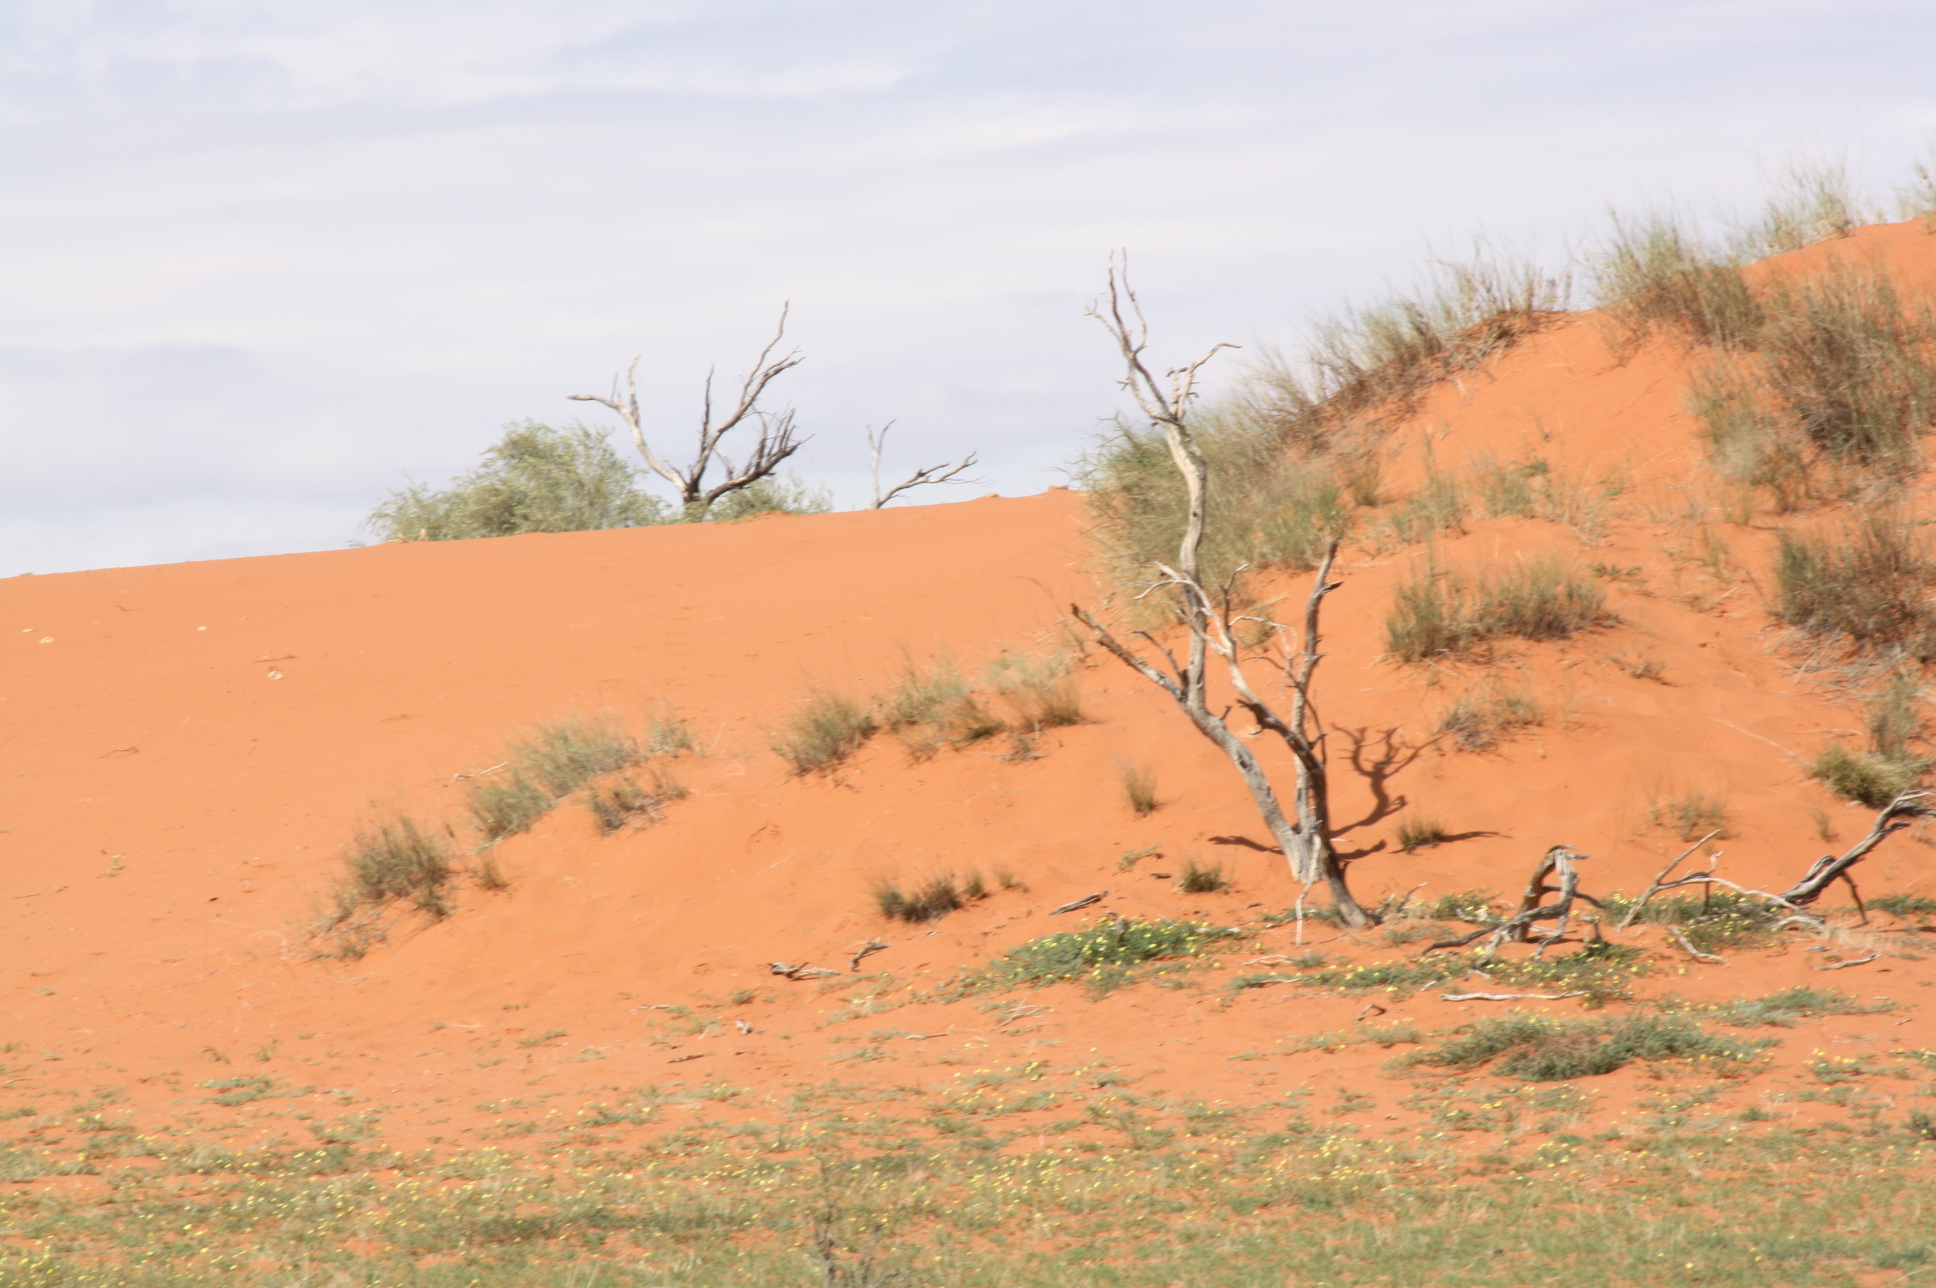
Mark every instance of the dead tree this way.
pixel 946 472
pixel 1557 861
pixel 1306 842
pixel 778 436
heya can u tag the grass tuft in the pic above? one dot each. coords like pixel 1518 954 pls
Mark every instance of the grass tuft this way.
pixel 1043 690
pixel 1436 614
pixel 1197 879
pixel 616 803
pixel 1867 585
pixel 824 732
pixel 938 896
pixel 1869 779
pixel 1691 815
pixel 1541 1050
pixel 1139 787
pixel 397 861
pixel 1417 832
pixel 1481 721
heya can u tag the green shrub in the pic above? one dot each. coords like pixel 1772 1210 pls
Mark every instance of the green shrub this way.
pixel 826 729
pixel 1268 507
pixel 1541 1050
pixel 534 479
pixel 396 861
pixel 1789 1007
pixel 1872 780
pixel 1436 614
pixel 1197 879
pixel 1104 955
pixel 770 495
pixel 1851 366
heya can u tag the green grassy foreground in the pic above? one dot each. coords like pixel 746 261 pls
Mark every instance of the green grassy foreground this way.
pixel 1504 1182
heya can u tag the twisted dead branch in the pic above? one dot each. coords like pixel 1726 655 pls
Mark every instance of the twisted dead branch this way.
pixel 1306 843
pixel 778 436
pixel 946 472
pixel 1558 860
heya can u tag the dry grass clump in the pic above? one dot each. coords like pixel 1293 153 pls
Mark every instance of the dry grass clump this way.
pixel 1268 506
pixel 1888 768
pixel 551 763
pixel 938 896
pixel 824 731
pixel 621 801
pixel 1042 689
pixel 1437 614
pixel 395 860
pixel 1866 585
pixel 1417 831
pixel 1537 1049
pixel 1139 788
pixel 936 707
pixel 1691 814
pixel 1655 272
pixel 1536 489
pixel 1199 879
pixel 1481 721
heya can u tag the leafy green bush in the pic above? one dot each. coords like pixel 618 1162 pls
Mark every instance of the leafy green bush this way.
pixel 770 495
pixel 1543 1050
pixel 1104 955
pixel 535 479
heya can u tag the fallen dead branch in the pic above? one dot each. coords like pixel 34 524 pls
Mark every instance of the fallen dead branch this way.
pixel 867 950
pixel 1083 902
pixel 802 971
pixel 1660 881
pixel 1509 997
pixel 1828 869
pixel 1558 860
pixel 1858 961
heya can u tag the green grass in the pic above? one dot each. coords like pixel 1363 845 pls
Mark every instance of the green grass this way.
pixel 824 731
pixel 1537 1049
pixel 1104 956
pixel 1867 585
pixel 1904 905
pixel 1436 614
pixel 1790 1007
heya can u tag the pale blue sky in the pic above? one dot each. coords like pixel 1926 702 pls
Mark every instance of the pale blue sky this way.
pixel 257 260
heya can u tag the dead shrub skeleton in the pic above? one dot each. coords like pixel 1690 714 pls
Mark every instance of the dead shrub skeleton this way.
pixel 1211 623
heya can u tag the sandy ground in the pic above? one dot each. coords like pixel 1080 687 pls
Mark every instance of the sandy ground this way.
pixel 187 749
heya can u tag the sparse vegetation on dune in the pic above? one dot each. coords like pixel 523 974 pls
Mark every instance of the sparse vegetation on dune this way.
pixel 1866 586
pixel 939 895
pixel 1439 613
pixel 397 860
pixel 825 730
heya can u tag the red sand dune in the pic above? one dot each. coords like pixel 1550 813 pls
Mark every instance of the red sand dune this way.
pixel 188 748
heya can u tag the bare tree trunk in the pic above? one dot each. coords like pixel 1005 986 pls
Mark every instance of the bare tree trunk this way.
pixel 1306 842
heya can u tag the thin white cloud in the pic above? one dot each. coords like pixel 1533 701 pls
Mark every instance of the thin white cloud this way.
pixel 265 258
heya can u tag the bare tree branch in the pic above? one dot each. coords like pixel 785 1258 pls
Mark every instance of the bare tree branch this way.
pixel 778 435
pixel 1827 869
pixel 943 473
pixel 1306 842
